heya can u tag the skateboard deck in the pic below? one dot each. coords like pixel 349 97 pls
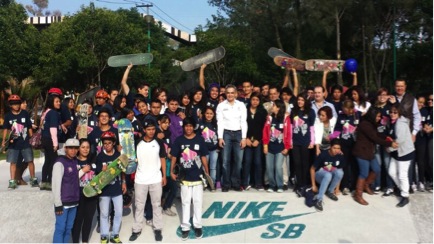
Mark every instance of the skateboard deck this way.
pixel 82 120
pixel 208 57
pixel 125 60
pixel 126 139
pixel 274 52
pixel 289 63
pixel 323 64
pixel 104 178
pixel 207 181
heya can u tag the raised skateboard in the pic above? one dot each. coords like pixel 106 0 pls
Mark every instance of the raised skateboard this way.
pixel 324 64
pixel 104 178
pixel 289 63
pixel 274 52
pixel 208 57
pixel 82 110
pixel 126 139
pixel 125 60
pixel 88 95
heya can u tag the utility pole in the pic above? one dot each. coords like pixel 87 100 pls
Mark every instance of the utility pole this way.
pixel 149 18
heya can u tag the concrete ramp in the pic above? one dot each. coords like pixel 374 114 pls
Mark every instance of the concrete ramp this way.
pixel 28 216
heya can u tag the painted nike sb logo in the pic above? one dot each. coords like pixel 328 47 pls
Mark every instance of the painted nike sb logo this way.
pixel 263 213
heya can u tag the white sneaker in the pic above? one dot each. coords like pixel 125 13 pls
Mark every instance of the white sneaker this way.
pixel 270 190
pixel 421 187
pixel 414 187
pixel 248 187
pixel 280 191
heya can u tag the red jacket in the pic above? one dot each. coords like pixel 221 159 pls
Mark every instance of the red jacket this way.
pixel 287 132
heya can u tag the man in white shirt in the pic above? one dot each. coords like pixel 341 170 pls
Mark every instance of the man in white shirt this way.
pixel 150 177
pixel 319 101
pixel 232 131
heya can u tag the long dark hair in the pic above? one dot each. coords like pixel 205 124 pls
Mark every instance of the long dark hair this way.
pixel 50 102
pixel 214 119
pixel 200 104
pixel 362 98
pixel 282 110
pixel 371 115
pixel 307 105
pixel 117 102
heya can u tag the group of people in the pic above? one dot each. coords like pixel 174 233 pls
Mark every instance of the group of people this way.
pixel 267 138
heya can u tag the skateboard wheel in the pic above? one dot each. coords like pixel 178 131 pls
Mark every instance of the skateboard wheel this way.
pixel 93 183
pixel 99 191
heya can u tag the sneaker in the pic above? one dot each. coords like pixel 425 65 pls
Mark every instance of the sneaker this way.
pixel 404 201
pixel 285 187
pixel 48 186
pixel 346 191
pixel 318 205
pixel 413 188
pixel 377 190
pixel 248 187
pixel 259 188
pixel 158 236
pixel 279 190
pixel 184 235
pixel 104 240
pixel 270 190
pixel 115 239
pixel 149 222
pixel 332 196
pixel 388 192
pixel 12 184
pixel 134 236
pixel 34 182
pixel 169 212
pixel 421 187
pixel 292 180
pixel 198 233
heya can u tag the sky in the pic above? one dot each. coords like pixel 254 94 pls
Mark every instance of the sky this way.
pixel 185 15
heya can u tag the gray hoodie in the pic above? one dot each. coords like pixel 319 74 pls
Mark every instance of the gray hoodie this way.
pixel 403 137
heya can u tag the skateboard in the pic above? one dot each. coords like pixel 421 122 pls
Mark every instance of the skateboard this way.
pixel 88 95
pixel 289 63
pixel 126 139
pixel 82 120
pixel 274 52
pixel 104 178
pixel 207 181
pixel 127 199
pixel 125 60
pixel 11 138
pixel 323 64
pixel 208 57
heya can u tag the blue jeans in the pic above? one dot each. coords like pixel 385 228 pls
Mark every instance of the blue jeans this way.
pixel 274 163
pixel 383 159
pixel 212 158
pixel 365 165
pixel 253 154
pixel 63 227
pixel 327 179
pixel 104 206
pixel 232 141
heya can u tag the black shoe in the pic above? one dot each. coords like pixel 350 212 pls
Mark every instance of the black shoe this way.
pixel 158 235
pixel 285 187
pixel 134 236
pixel 225 189
pixel 404 201
pixel 115 239
pixel 318 205
pixel 332 196
pixel 198 233
pixel 239 188
pixel 184 234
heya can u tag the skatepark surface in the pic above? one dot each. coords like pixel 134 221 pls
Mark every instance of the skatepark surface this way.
pixel 238 217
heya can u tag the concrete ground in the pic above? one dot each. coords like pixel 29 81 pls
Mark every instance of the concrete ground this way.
pixel 251 216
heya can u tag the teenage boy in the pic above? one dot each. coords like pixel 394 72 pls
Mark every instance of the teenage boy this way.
pixel 190 151
pixel 150 178
pixel 17 121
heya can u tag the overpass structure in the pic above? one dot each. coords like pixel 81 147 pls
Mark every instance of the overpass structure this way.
pixel 172 32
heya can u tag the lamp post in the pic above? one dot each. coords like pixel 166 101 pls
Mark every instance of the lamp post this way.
pixel 149 18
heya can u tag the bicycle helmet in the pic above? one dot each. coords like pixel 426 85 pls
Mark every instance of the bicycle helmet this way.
pixel 14 99
pixel 55 91
pixel 108 135
pixel 101 94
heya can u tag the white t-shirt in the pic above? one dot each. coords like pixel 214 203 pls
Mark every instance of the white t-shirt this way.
pixel 149 156
pixel 363 110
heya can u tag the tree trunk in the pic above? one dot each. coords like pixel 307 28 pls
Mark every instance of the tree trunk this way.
pixel 338 42
pixel 365 68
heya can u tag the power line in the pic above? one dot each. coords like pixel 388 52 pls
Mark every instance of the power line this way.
pixel 172 18
pixel 104 1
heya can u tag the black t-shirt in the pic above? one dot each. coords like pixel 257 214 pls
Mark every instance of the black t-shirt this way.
pixel 65 115
pixel 328 162
pixel 188 152
pixel 346 125
pixel 51 120
pixel 301 124
pixel 208 131
pixel 95 139
pixel 114 188
pixel 276 144
pixel 86 178
pixel 19 124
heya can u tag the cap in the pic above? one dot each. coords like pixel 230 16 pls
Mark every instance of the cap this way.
pixel 55 91
pixel 148 123
pixel 72 142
